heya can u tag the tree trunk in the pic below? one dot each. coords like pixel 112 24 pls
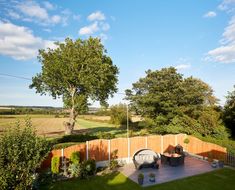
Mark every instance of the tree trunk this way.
pixel 69 126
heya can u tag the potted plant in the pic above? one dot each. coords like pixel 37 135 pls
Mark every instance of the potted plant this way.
pixel 141 178
pixel 221 161
pixel 152 177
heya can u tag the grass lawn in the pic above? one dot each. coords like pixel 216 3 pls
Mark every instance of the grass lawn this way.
pixel 221 179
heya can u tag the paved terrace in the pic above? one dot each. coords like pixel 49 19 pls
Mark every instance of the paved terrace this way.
pixel 192 166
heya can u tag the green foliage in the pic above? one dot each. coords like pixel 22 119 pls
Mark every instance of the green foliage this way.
pixel 113 164
pixel 105 135
pixel 88 168
pixel 140 176
pixel 55 165
pixel 75 157
pixel 76 70
pixel 175 104
pixel 74 138
pixel 229 112
pixel 118 114
pixel 75 169
pixel 186 141
pixel 21 153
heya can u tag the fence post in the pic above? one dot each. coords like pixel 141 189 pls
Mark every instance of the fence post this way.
pixel 109 149
pixel 176 140
pixel 62 153
pixel 146 142
pixel 161 144
pixel 87 150
pixel 129 149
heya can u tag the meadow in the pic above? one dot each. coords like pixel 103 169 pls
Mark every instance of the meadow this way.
pixel 51 126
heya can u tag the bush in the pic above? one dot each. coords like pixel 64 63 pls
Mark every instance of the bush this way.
pixel 21 153
pixel 75 157
pixel 118 114
pixel 74 138
pixel 88 168
pixel 75 170
pixel 113 164
pixel 104 135
pixel 55 165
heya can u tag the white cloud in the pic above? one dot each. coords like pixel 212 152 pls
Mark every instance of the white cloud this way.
pixel 227 5
pixel 76 17
pixel 19 42
pixel 98 15
pixel 37 12
pixel 183 66
pixel 48 5
pixel 222 54
pixel 183 63
pixel 13 14
pixel 56 19
pixel 210 14
pixel 32 9
pixel 226 52
pixel 47 30
pixel 90 29
pixel 105 26
pixel 103 37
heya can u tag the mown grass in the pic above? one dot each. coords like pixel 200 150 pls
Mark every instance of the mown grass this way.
pixel 216 180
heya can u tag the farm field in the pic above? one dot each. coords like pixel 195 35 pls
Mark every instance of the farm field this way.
pixel 49 126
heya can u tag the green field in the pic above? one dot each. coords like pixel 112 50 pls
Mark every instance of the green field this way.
pixel 216 180
pixel 49 126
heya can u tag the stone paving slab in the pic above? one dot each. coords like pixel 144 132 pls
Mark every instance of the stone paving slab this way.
pixel 165 173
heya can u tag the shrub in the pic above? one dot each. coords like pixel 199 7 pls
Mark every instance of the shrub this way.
pixel 104 135
pixel 75 157
pixel 118 114
pixel 74 138
pixel 113 164
pixel 75 170
pixel 21 153
pixel 55 165
pixel 88 168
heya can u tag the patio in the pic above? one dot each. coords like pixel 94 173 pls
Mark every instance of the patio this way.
pixel 192 166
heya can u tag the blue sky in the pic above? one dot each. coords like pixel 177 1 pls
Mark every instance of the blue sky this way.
pixel 196 37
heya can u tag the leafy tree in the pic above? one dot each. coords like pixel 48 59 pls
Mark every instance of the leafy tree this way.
pixel 174 103
pixel 21 153
pixel 229 112
pixel 118 114
pixel 76 70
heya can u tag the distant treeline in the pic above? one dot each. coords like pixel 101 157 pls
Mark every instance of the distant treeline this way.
pixel 28 110
pixel 20 110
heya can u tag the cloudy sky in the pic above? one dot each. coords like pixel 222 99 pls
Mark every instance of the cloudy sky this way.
pixel 196 37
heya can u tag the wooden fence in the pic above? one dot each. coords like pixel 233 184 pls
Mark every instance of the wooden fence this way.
pixel 101 149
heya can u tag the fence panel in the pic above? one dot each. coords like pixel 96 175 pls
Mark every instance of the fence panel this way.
pixel 121 146
pixel 80 147
pixel 168 143
pixel 154 143
pixel 98 149
pixel 137 143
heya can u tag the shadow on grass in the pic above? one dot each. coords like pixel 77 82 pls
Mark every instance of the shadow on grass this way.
pixel 114 181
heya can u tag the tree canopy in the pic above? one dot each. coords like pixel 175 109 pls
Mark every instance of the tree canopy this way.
pixel 175 103
pixel 76 70
pixel 229 112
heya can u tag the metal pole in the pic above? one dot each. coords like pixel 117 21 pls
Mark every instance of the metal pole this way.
pixel 127 121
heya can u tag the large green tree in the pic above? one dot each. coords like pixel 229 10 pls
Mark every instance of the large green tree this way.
pixel 229 112
pixel 168 98
pixel 76 71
